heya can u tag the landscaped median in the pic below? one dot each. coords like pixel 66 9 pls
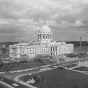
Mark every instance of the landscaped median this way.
pixel 63 78
pixel 21 66
pixel 59 78
pixel 82 68
pixel 28 85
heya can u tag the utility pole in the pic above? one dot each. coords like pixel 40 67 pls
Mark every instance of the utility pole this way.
pixel 80 43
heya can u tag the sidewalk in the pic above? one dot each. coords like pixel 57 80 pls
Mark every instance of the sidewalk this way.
pixel 2 73
pixel 28 85
pixel 3 83
pixel 29 68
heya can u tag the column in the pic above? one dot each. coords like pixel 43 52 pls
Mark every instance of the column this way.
pixel 40 36
pixel 44 36
pixel 53 48
pixel 48 36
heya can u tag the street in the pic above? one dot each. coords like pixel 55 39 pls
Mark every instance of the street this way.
pixel 10 82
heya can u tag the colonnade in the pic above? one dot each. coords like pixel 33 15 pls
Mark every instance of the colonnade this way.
pixel 44 36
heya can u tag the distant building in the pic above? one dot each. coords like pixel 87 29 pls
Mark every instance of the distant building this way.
pixel 44 46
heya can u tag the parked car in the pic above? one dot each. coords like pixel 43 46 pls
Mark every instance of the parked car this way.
pixel 15 84
pixel 55 66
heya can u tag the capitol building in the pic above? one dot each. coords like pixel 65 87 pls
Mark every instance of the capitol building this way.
pixel 44 46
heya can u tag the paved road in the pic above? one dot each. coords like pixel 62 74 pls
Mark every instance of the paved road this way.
pixel 10 82
pixel 14 74
pixel 3 85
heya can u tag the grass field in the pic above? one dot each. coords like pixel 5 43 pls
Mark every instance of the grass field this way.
pixel 81 68
pixel 60 79
pixel 21 66
pixel 72 65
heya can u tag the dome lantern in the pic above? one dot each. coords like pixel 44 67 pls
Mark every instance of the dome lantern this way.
pixel 45 34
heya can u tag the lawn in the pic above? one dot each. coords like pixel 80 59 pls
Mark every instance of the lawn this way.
pixel 60 79
pixel 21 66
pixel 81 68
pixel 72 65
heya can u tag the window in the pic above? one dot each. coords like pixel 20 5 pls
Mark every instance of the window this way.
pixel 46 37
pixel 43 37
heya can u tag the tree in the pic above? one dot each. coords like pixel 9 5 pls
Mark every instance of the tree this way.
pixel 24 58
pixel 60 60
pixel 1 63
pixel 38 78
pixel 45 59
pixel 4 50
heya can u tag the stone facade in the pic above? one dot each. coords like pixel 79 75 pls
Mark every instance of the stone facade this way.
pixel 44 46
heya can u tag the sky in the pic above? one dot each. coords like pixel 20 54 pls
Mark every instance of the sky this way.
pixel 20 20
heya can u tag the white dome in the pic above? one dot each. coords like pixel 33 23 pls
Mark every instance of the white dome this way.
pixel 45 30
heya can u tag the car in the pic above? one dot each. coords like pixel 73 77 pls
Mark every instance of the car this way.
pixel 43 69
pixel 46 69
pixel 56 66
pixel 15 84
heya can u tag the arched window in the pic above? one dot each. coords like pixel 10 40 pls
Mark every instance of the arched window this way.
pixel 43 37
pixel 46 36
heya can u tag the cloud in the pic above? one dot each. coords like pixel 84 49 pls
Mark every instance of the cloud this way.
pixel 25 17
pixel 3 22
